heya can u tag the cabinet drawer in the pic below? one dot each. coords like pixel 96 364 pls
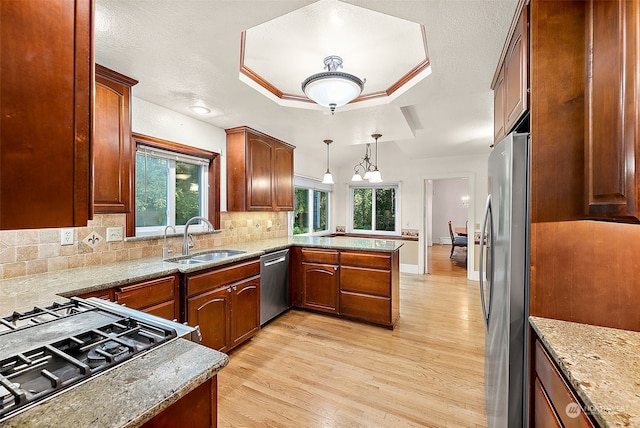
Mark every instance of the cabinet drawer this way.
pixel 544 415
pixel 320 256
pixel 367 281
pixel 226 275
pixel 370 260
pixel 100 294
pixel 148 293
pixel 557 390
pixel 166 310
pixel 368 308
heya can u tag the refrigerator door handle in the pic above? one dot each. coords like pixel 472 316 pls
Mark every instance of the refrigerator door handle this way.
pixel 486 306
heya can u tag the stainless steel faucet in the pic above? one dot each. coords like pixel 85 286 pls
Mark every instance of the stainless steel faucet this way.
pixel 166 250
pixel 185 239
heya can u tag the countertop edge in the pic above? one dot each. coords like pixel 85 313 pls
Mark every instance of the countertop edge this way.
pixel 591 407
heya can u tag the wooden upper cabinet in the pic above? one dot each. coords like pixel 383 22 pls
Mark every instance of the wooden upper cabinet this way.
pixel 283 176
pixel 498 108
pixel 112 146
pixel 46 55
pixel 516 84
pixel 612 104
pixel 259 172
pixel 511 83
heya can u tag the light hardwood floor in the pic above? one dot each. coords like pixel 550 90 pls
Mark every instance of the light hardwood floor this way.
pixel 309 370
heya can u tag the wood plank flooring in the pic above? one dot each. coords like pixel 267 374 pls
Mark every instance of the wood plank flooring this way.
pixel 310 370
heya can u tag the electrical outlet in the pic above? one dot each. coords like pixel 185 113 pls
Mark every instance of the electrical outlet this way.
pixel 66 236
pixel 114 234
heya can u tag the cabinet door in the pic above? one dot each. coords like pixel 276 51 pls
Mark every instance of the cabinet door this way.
pixel 259 183
pixel 46 52
pixel 283 177
pixel 515 77
pixel 212 311
pixel 320 287
pixel 498 108
pixel 112 146
pixel 245 310
pixel 611 151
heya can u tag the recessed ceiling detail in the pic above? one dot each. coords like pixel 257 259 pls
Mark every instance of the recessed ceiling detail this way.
pixel 278 55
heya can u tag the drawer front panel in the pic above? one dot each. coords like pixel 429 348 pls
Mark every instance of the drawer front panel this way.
pixel 557 390
pixel 197 283
pixel 320 256
pixel 166 310
pixel 367 281
pixel 148 293
pixel 545 416
pixel 367 308
pixel 370 260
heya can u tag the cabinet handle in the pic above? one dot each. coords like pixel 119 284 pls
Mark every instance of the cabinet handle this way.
pixel 335 268
pixel 229 290
pixel 234 288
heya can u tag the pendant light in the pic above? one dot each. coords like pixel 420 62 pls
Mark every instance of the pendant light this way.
pixel 328 178
pixel 332 88
pixel 376 177
pixel 365 165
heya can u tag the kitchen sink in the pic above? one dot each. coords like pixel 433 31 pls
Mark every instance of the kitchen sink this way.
pixel 206 257
pixel 216 255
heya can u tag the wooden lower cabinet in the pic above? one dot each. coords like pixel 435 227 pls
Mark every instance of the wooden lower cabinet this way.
pixel 370 286
pixel 225 304
pixel 363 285
pixel 320 284
pixel 320 279
pixel 157 297
pixel 197 409
pixel 553 401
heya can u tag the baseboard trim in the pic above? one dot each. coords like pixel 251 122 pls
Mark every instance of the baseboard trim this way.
pixel 407 268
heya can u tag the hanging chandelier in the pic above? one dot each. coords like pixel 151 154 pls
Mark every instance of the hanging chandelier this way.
pixel 365 169
pixel 332 88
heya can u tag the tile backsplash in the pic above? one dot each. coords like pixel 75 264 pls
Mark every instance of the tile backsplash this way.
pixel 27 252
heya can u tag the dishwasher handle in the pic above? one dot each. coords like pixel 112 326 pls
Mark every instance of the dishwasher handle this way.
pixel 275 261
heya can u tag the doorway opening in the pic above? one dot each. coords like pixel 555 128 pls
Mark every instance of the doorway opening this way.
pixel 448 197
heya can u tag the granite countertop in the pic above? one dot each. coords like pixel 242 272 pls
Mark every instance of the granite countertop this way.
pixel 146 386
pixel 23 293
pixel 601 364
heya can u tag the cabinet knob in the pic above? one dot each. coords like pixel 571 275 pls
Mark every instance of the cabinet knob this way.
pixel 234 288
pixel 335 268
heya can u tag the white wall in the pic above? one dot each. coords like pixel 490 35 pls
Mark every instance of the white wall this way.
pixel 159 122
pixel 447 205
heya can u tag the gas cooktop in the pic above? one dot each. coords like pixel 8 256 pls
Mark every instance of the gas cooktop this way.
pixel 46 350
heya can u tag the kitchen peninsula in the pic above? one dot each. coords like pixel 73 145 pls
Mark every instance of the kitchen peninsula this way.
pixel 190 365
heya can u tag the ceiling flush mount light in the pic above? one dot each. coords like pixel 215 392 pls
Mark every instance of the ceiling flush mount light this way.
pixel 332 88
pixel 328 178
pixel 376 177
pixel 200 109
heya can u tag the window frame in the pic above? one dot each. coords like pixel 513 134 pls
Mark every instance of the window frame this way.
pixel 213 172
pixel 311 186
pixel 373 186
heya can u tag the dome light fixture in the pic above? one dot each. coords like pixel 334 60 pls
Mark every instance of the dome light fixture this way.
pixel 200 109
pixel 332 88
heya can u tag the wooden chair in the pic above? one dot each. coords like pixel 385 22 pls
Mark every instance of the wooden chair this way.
pixel 456 241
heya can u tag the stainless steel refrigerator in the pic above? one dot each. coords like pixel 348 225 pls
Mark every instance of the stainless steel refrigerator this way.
pixel 504 282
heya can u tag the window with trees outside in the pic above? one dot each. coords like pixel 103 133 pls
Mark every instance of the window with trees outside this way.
pixel 170 189
pixel 375 209
pixel 311 211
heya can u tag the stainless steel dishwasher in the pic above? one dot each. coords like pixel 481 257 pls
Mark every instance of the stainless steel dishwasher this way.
pixel 274 284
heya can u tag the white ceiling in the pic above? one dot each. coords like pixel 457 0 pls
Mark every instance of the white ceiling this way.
pixel 185 52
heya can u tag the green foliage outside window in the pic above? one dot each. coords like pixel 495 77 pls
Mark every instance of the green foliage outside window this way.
pixel 152 191
pixel 301 211
pixel 385 209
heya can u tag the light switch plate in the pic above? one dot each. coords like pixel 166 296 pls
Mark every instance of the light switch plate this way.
pixel 114 234
pixel 66 236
